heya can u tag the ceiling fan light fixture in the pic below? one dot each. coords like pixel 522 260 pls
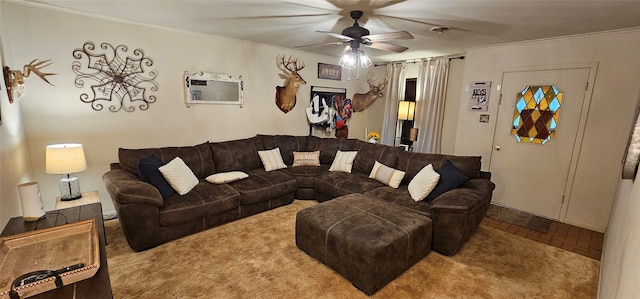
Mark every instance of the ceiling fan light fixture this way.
pixel 348 60
pixel 365 61
pixel 355 59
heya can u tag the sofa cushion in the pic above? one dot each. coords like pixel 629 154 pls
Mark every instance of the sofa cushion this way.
pixel 306 175
pixel 287 144
pixel 423 183
pixel 179 176
pixel 271 159
pixel 306 159
pixel 204 200
pixel 413 162
pixel 400 196
pixel 387 175
pixel 328 147
pixel 336 184
pixel 226 177
pixel 148 171
pixel 241 154
pixel 469 166
pixel 450 178
pixel 343 161
pixel 197 157
pixel 264 185
pixel 369 153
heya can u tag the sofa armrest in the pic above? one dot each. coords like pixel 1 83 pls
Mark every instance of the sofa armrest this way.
pixel 469 196
pixel 126 188
pixel 485 175
pixel 458 213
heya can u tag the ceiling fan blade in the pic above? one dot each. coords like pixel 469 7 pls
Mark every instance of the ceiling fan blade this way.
pixel 275 16
pixel 387 47
pixel 321 44
pixel 409 20
pixel 336 35
pixel 388 36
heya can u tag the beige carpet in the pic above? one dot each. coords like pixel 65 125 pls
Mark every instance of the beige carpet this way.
pixel 256 257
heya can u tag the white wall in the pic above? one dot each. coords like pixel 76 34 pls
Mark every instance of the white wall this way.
pixel 14 156
pixel 609 119
pixel 620 264
pixel 55 114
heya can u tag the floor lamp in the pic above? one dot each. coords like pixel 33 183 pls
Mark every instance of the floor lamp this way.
pixel 66 159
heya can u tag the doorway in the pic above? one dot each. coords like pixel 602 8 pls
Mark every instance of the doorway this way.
pixel 537 137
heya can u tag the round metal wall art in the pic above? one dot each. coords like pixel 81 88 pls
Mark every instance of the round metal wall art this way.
pixel 116 79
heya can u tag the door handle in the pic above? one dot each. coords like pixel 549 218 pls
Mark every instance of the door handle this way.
pixel 497 147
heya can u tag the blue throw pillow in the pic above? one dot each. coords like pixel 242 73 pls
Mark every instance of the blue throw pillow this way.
pixel 450 178
pixel 148 172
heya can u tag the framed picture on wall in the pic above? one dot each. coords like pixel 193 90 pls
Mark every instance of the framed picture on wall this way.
pixel 329 71
pixel 479 96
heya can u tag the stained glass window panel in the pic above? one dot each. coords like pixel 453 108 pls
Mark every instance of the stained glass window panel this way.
pixel 535 118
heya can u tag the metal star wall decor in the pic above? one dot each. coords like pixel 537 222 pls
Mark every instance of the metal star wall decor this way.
pixel 120 79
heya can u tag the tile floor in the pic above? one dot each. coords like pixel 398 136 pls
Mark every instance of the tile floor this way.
pixel 575 239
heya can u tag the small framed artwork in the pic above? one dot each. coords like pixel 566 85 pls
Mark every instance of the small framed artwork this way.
pixel 329 71
pixel 479 97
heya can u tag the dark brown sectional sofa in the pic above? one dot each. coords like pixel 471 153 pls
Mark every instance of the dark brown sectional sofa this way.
pixel 149 220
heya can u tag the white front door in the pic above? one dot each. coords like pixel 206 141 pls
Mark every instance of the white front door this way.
pixel 530 176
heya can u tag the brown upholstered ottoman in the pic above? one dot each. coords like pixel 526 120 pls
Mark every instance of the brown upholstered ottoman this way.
pixel 368 241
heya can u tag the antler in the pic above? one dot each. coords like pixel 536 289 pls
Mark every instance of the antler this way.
pixel 289 62
pixel 370 79
pixel 35 67
pixel 384 83
pixel 373 84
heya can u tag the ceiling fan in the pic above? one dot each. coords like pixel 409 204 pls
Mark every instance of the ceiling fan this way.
pixel 355 36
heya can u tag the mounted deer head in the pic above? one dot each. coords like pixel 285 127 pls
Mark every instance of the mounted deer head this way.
pixel 15 79
pixel 363 100
pixel 286 96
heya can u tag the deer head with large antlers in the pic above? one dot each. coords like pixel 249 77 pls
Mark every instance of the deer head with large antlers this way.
pixel 15 79
pixel 286 96
pixel 363 100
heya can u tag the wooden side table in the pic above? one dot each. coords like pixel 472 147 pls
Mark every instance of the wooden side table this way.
pixel 96 287
pixel 87 198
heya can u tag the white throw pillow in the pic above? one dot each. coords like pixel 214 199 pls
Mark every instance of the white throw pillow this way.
pixel 272 159
pixel 226 177
pixel 387 175
pixel 343 161
pixel 179 175
pixel 423 183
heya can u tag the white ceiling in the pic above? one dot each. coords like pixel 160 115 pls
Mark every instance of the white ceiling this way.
pixel 289 23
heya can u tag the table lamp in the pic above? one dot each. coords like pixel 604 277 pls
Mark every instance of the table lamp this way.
pixel 66 159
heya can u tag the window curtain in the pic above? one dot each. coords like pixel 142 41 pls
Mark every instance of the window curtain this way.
pixel 395 93
pixel 430 99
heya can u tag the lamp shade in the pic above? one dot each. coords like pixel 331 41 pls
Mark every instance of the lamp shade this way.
pixel 65 158
pixel 406 110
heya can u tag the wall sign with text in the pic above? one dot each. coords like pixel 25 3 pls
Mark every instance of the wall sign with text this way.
pixel 479 95
pixel 329 71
